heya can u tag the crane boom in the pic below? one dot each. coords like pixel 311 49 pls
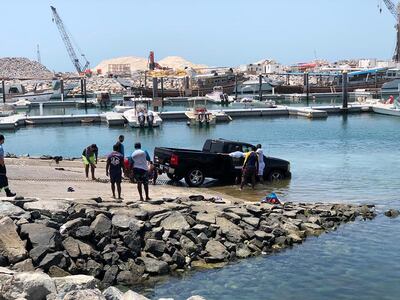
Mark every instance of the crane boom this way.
pixel 392 8
pixel 67 42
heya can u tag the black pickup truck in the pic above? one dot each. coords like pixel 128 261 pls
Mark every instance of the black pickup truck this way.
pixel 212 162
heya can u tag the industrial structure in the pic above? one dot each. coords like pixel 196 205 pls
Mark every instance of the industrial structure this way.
pixel 67 41
pixel 395 11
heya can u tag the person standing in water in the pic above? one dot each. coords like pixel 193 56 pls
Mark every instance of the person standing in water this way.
pixel 89 158
pixel 114 167
pixel 3 171
pixel 250 168
pixel 261 163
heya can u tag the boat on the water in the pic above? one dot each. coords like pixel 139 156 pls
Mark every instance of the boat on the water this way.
pixel 218 96
pixel 200 116
pixel 141 116
pixel 22 104
pixel 390 107
pixel 129 104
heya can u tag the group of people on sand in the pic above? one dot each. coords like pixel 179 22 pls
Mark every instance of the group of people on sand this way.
pixel 138 167
pixel 251 163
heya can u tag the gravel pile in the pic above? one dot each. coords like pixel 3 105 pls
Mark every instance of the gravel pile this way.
pixel 21 67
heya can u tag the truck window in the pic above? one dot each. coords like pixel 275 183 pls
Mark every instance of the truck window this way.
pixel 207 146
pixel 216 147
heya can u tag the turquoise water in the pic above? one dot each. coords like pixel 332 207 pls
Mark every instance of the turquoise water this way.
pixel 351 158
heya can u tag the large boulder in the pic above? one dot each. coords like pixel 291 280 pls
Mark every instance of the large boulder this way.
pixel 101 226
pixel 49 207
pixel 206 218
pixel 232 232
pixel 71 283
pixel 112 293
pixel 216 250
pixel 131 295
pixel 124 222
pixel 10 210
pixel 40 235
pixel 90 294
pixel 76 248
pixel 154 266
pixel 11 246
pixel 53 259
pixel 155 247
pixel 188 246
pixel 175 222
pixel 29 286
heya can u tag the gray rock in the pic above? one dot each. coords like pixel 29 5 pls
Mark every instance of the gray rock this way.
pixel 188 246
pixel 155 247
pixel 83 232
pixel 110 275
pixel 178 259
pixel 94 268
pixel 112 293
pixel 91 294
pixel 290 213
pixel 252 221
pixel 254 209
pixel 152 209
pixel 131 295
pixel 72 225
pixel 126 278
pixel 231 216
pixel 175 222
pixel 156 220
pixel 71 246
pixel 40 235
pixel 11 246
pixel 53 259
pixel 49 207
pixel 315 220
pixel 101 226
pixel 133 241
pixel 27 285
pixel 243 251
pixel 154 266
pixel 392 213
pixel 10 210
pixel 38 253
pixel 76 282
pixel 242 212
pixel 122 221
pixel 206 218
pixel 24 266
pixel 232 232
pixel 55 271
pixel 216 249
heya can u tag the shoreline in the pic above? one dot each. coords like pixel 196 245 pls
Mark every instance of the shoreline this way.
pixel 130 243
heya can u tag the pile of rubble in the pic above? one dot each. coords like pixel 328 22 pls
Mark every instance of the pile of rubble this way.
pixel 21 67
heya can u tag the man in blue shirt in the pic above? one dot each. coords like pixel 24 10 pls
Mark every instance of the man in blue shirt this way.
pixel 120 143
pixel 3 170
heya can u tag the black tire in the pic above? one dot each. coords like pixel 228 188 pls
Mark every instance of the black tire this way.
pixel 174 177
pixel 275 175
pixel 195 177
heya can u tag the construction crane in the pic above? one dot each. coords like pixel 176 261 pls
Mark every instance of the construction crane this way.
pixel 38 54
pixel 395 11
pixel 67 41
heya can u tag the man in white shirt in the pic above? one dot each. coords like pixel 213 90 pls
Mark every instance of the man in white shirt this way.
pixel 140 170
pixel 261 163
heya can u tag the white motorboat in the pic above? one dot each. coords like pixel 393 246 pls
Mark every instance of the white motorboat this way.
pixel 218 96
pixel 22 104
pixel 34 97
pixel 129 104
pixel 199 115
pixel 140 116
pixel 387 108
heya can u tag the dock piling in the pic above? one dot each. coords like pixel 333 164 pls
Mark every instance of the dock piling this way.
pixel 155 87
pixel 82 86
pixel 260 87
pixel 307 86
pixel 162 88
pixel 3 90
pixel 62 89
pixel 85 93
pixel 344 90
pixel 236 86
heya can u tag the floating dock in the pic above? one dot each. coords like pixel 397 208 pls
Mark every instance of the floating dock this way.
pixel 223 115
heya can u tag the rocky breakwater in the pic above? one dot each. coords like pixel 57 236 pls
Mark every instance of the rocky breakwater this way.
pixel 119 243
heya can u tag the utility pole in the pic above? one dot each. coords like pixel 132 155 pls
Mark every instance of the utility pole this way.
pixel 38 54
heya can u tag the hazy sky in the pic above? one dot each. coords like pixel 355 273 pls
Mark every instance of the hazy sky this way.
pixel 213 32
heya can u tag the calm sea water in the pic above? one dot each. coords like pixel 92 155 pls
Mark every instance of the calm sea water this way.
pixel 351 158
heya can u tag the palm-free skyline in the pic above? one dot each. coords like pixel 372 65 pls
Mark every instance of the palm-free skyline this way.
pixel 216 33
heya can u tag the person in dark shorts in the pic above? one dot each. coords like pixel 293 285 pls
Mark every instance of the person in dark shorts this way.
pixel 114 167
pixel 89 158
pixel 250 168
pixel 140 169
pixel 120 143
pixel 3 171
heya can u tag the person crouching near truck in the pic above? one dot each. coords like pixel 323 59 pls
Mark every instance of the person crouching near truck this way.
pixel 250 168
pixel 89 158
pixel 140 169
pixel 3 170
pixel 114 167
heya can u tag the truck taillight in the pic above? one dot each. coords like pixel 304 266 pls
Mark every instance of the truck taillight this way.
pixel 174 160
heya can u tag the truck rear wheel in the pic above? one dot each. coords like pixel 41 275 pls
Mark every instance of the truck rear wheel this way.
pixel 195 177
pixel 174 177
pixel 276 175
